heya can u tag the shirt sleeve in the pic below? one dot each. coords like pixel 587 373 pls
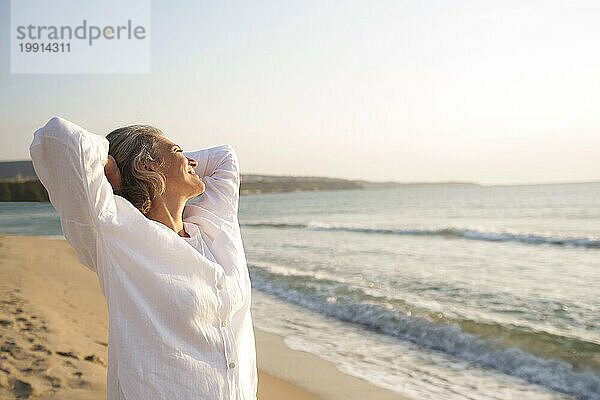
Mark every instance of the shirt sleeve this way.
pixel 69 161
pixel 218 168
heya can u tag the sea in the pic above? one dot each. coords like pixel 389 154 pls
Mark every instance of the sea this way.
pixel 432 291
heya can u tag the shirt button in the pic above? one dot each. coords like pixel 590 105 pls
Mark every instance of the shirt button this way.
pixel 219 286
pixel 224 323
pixel 232 365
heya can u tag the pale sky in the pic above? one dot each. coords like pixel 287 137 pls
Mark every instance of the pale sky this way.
pixel 482 91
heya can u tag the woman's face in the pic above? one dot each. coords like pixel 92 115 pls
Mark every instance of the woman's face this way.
pixel 179 171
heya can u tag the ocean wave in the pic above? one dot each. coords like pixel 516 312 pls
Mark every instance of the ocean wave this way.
pixel 567 365
pixel 450 232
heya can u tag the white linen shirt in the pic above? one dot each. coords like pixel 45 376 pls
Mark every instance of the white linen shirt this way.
pixel 179 308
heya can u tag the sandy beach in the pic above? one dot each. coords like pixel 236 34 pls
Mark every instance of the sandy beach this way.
pixel 53 335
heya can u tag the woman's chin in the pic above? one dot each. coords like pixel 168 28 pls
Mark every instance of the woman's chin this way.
pixel 201 188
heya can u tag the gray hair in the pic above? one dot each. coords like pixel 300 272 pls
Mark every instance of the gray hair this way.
pixel 131 146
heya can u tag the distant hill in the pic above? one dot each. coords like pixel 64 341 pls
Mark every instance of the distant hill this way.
pixel 31 190
pixel 17 171
pixel 253 184
pixel 18 182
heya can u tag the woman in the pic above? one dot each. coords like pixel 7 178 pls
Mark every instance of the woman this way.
pixel 174 275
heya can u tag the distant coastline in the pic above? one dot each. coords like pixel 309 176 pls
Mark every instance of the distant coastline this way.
pixel 27 189
pixel 18 182
pixel 256 184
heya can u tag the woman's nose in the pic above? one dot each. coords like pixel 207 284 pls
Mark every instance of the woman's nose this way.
pixel 192 162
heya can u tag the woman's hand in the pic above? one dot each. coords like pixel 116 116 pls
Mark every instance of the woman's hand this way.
pixel 112 173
